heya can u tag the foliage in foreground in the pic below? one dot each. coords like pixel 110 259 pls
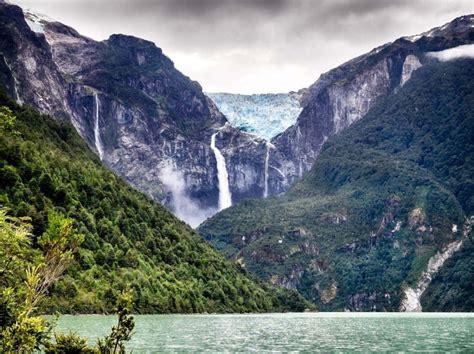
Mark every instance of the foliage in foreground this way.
pixel 27 275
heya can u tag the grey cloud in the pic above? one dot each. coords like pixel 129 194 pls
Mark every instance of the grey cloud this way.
pixel 206 7
pixel 256 45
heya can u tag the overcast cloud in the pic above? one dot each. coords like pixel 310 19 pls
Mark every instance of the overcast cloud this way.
pixel 255 46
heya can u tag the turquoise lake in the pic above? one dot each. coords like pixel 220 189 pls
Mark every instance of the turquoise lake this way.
pixel 308 332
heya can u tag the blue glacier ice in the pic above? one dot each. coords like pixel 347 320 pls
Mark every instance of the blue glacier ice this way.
pixel 265 115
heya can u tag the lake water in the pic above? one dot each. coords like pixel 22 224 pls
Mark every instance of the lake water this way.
pixel 309 332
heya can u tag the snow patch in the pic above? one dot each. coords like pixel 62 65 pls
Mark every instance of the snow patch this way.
pixel 462 51
pixel 413 38
pixel 36 21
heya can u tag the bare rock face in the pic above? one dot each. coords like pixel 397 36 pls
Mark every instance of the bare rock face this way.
pixel 27 71
pixel 344 95
pixel 409 66
pixel 147 121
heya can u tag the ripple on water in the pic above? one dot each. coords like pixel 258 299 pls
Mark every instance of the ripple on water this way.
pixel 288 332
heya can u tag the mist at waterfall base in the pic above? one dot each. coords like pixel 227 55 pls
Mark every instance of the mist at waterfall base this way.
pixel 182 205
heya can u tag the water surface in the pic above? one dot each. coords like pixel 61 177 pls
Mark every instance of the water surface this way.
pixel 434 332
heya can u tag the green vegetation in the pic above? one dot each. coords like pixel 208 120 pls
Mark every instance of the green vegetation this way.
pixel 123 331
pixel 379 201
pixel 129 242
pixel 28 274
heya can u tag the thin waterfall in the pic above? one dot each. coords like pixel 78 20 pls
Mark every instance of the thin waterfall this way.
pixel 98 141
pixel 265 172
pixel 225 197
pixel 15 83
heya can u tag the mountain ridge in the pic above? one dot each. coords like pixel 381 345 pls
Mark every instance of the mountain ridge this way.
pixel 343 95
pixel 153 119
pixel 383 197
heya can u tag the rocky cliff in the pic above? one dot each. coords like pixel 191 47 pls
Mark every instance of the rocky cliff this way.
pixel 342 96
pixel 146 120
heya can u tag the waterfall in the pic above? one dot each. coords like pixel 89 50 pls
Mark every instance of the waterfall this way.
pixel 15 83
pixel 265 172
pixel 225 198
pixel 98 142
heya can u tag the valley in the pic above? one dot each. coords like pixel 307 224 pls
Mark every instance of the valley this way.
pixel 353 194
pixel 378 204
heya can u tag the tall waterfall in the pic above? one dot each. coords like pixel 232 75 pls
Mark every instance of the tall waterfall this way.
pixel 98 141
pixel 225 197
pixel 265 172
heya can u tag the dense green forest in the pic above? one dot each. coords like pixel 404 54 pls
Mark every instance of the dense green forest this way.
pixel 129 242
pixel 380 200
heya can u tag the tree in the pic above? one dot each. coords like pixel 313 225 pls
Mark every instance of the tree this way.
pixel 122 332
pixel 27 275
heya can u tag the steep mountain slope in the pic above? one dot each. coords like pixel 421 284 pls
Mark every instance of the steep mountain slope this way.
pixel 130 242
pixel 343 95
pixel 265 115
pixel 383 198
pixel 145 119
pixel 154 126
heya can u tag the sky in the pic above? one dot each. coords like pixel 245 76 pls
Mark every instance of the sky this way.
pixel 255 46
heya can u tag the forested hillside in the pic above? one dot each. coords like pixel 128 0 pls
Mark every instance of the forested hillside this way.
pixel 129 241
pixel 382 198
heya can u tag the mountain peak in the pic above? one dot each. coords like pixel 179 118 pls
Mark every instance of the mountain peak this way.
pixel 128 41
pixel 458 25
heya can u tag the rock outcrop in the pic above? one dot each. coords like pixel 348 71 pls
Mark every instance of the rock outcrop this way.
pixel 412 295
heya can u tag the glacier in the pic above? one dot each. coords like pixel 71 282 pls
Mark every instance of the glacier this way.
pixel 265 115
